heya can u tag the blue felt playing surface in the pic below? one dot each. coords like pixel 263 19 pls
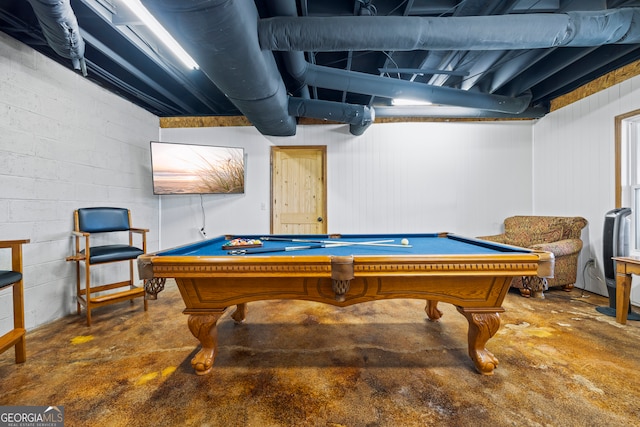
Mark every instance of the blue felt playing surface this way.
pixel 419 244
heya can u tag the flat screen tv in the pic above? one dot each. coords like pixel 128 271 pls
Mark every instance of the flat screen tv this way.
pixel 196 169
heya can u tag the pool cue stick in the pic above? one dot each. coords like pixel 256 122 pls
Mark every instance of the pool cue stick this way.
pixel 292 248
pixel 337 243
pixel 265 250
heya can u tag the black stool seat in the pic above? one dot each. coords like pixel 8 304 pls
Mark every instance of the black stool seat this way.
pixel 9 277
pixel 110 253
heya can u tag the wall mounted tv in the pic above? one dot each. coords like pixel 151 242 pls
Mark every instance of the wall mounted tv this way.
pixel 196 169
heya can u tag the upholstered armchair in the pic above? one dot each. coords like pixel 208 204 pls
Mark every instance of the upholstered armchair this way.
pixel 556 234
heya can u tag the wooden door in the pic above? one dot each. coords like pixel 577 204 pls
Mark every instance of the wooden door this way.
pixel 298 188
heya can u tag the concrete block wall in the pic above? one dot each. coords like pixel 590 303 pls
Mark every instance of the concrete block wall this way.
pixel 64 143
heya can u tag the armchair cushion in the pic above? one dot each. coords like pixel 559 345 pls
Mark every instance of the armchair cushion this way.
pixel 9 277
pixel 525 237
pixel 110 253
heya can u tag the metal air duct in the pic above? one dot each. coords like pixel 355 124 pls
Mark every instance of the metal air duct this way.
pixel 233 47
pixel 359 117
pixel 496 32
pixel 345 33
pixel 60 28
pixel 333 78
pixel 221 35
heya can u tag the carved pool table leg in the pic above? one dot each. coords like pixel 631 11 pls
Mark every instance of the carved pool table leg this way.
pixel 241 313
pixel 204 328
pixel 432 310
pixel 482 326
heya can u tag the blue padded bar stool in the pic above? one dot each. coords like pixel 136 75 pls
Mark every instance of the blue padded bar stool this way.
pixel 89 223
pixel 13 278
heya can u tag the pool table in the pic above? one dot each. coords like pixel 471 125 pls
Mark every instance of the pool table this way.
pixel 474 275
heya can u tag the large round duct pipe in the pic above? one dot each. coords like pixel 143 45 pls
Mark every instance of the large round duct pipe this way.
pixel 402 33
pixel 351 81
pixel 221 35
pixel 359 117
pixel 60 28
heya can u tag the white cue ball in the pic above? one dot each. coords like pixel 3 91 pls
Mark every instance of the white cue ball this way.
pixel 404 241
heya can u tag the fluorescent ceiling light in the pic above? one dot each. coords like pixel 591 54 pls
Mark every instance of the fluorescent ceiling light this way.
pixel 147 19
pixel 403 101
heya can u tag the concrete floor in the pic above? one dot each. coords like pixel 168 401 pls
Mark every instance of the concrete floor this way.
pixel 304 364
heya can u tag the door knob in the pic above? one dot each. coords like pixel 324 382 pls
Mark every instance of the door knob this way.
pixel 319 219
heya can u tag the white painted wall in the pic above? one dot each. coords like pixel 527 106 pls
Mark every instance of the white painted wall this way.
pixel 413 177
pixel 574 168
pixel 64 143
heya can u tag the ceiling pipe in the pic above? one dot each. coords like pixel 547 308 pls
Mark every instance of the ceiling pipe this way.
pixel 224 41
pixel 352 81
pixel 60 27
pixel 308 74
pixel 496 32
pixel 221 35
pixel 294 34
pixel 359 117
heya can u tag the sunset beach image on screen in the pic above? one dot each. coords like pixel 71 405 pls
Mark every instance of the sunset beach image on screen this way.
pixel 196 169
